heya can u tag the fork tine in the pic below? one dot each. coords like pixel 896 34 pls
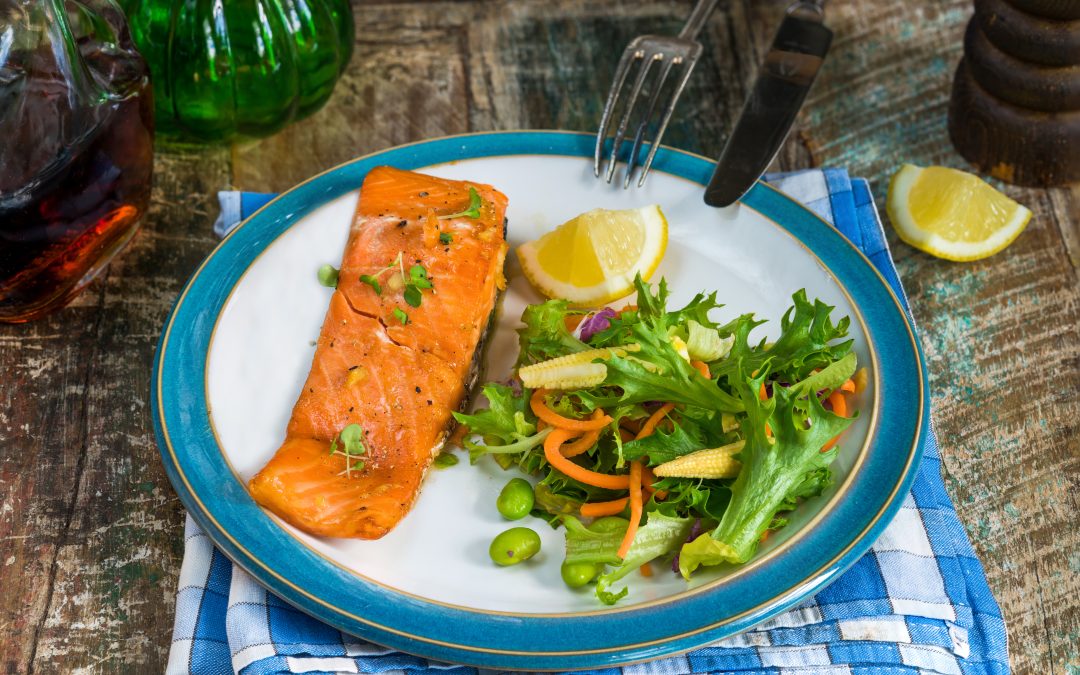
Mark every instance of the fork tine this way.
pixel 620 132
pixel 639 135
pixel 690 62
pixel 630 54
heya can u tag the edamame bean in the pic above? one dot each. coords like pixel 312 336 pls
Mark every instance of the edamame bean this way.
pixel 577 575
pixel 514 545
pixel 516 499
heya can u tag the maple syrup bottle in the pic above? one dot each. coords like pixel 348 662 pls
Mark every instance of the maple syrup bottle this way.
pixel 76 149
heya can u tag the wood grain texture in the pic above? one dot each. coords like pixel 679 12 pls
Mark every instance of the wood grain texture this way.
pixel 90 532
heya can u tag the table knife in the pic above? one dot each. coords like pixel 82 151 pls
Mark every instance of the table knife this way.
pixel 790 66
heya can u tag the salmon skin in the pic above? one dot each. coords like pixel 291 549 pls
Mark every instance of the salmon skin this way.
pixel 398 381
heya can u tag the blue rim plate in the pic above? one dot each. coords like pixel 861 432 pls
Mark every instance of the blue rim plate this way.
pixel 219 502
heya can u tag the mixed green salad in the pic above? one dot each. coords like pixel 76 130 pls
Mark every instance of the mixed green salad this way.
pixel 662 434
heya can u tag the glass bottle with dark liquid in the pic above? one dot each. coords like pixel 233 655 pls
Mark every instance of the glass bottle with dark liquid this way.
pixel 76 148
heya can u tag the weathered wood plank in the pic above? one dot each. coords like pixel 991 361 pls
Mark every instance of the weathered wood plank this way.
pixel 42 432
pixel 1066 206
pixel 1000 335
pixel 553 63
pixel 90 535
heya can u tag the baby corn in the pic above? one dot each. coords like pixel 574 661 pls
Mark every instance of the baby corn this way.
pixel 573 371
pixel 710 463
pixel 564 376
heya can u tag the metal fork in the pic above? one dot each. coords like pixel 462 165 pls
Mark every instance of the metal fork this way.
pixel 682 50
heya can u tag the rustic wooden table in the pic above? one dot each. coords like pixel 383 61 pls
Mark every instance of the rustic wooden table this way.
pixel 91 532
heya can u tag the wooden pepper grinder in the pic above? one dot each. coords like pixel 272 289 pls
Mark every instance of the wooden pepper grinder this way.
pixel 1015 110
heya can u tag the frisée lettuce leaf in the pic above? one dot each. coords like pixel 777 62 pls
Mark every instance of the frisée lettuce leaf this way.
pixel 773 470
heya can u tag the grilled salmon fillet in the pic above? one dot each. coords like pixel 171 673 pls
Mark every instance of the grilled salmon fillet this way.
pixel 398 381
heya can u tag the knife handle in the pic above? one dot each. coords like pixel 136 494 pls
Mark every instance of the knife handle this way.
pixel 800 34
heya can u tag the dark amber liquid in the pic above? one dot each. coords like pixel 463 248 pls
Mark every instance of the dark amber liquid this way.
pixel 61 226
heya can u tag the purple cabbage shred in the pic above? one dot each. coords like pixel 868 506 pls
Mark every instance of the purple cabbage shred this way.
pixel 594 323
pixel 514 384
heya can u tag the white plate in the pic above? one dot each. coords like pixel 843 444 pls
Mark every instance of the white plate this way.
pixel 276 311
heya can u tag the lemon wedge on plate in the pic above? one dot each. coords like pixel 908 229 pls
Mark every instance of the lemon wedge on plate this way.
pixel 952 214
pixel 592 259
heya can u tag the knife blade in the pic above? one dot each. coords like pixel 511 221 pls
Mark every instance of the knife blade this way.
pixel 791 65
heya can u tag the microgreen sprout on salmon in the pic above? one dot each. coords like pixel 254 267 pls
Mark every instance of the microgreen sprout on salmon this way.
pixel 661 434
pixel 349 443
pixel 473 209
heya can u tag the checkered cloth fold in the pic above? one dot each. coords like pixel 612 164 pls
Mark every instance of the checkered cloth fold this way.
pixel 917 602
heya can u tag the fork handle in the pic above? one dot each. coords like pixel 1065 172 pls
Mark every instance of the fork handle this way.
pixel 697 19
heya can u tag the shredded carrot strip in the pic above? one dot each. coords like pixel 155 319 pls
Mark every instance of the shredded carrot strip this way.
pixel 572 321
pixel 839 407
pixel 848 385
pixel 633 426
pixel 556 420
pixel 650 424
pixel 635 509
pixel 647 479
pixel 838 403
pixel 597 509
pixel 553 444
pixel 646 570
pixel 587 440
pixel 702 368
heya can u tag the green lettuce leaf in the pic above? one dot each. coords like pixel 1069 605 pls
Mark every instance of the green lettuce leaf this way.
pixel 555 504
pixel 524 445
pixel 813 484
pixel 697 310
pixel 770 473
pixel 829 377
pixel 504 424
pixel 705 499
pixel 599 543
pixel 663 446
pixel 545 335
pixel 806 334
pixel 504 418
pixel 656 372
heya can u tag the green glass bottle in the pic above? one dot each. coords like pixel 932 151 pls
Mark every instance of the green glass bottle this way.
pixel 240 68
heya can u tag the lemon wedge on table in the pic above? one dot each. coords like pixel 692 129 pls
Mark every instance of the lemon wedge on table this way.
pixel 592 259
pixel 952 214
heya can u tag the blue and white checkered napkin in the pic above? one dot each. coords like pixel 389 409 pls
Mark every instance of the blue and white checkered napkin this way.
pixel 918 602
